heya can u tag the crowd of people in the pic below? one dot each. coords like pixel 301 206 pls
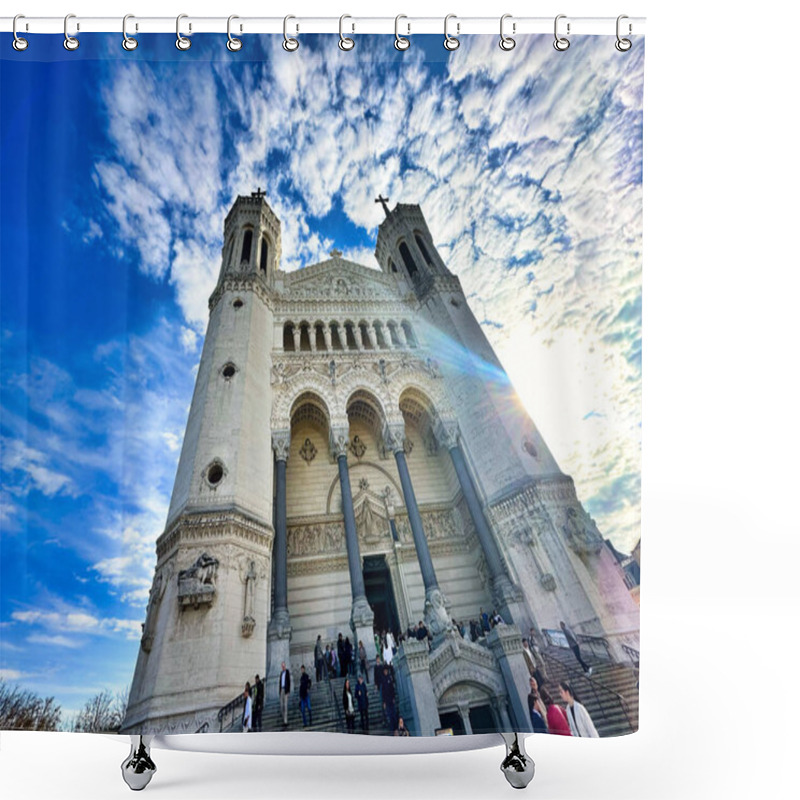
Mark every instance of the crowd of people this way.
pixel 341 659
pixel 546 715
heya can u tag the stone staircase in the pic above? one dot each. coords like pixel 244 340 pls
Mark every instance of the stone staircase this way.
pixel 610 695
pixel 326 710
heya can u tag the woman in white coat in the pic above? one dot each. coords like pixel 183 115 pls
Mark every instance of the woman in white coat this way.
pixel 580 723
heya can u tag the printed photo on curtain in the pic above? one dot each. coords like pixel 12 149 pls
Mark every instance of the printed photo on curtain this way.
pixel 321 380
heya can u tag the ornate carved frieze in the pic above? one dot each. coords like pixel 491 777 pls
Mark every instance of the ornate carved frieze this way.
pixel 333 375
pixel 205 528
pixel 243 282
pixel 197 585
pixel 315 539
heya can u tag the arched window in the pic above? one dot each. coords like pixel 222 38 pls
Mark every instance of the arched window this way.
pixel 392 267
pixel 247 246
pixel 411 267
pixel 423 250
pixel 262 264
pixel 288 338
pixel 410 338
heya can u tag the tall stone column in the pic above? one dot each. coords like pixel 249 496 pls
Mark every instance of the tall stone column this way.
pixel 296 331
pixel 463 712
pixel 312 337
pixel 401 335
pixel 373 335
pixel 506 595
pixel 279 630
pixel 326 332
pixel 436 617
pixel 361 616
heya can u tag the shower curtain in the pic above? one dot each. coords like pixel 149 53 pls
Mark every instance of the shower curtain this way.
pixel 321 379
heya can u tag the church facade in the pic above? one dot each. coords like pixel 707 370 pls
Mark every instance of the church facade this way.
pixel 356 460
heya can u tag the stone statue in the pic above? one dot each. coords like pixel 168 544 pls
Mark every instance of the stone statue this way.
pixel 436 618
pixel 153 604
pixel 581 533
pixel 249 619
pixel 198 584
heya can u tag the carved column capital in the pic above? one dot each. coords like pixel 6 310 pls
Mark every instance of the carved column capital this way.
pixel 339 441
pixel 281 441
pixel 446 432
pixel 394 436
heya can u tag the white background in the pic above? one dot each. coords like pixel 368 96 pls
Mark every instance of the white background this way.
pixel 720 598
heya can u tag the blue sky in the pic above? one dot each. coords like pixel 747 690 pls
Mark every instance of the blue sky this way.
pixel 117 172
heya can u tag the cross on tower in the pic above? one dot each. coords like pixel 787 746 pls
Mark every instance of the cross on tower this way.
pixel 258 194
pixel 384 202
pixel 336 253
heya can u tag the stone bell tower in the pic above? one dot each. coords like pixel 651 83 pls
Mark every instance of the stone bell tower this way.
pixel 510 477
pixel 207 618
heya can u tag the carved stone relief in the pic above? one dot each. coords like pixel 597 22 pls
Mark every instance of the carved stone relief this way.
pixel 197 585
pixel 581 532
pixel 308 451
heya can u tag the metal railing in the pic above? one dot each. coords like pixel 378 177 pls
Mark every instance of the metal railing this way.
pixel 337 707
pixel 594 686
pixel 596 646
pixel 203 728
pixel 633 655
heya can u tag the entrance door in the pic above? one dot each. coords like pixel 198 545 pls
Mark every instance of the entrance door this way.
pixel 481 720
pixel 378 585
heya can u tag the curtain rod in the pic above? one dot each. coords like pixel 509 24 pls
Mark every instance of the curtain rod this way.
pixel 408 25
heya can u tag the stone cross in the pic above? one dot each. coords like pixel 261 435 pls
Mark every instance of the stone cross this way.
pixel 336 253
pixel 383 201
pixel 258 194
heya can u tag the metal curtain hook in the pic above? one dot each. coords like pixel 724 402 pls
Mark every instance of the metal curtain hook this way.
pixel 19 44
pixel 233 44
pixel 70 42
pixel 506 42
pixel 400 42
pixel 289 43
pixel 345 42
pixel 451 42
pixel 623 45
pixel 561 43
pixel 181 42
pixel 127 42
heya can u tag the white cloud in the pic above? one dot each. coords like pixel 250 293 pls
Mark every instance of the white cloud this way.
pixel 54 641
pixel 525 168
pixel 56 625
pixel 11 674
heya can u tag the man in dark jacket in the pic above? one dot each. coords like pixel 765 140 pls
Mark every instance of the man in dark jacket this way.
pixel 422 632
pixel 362 699
pixel 572 641
pixel 305 696
pixel 319 658
pixel 284 688
pixel 340 654
pixel 387 697
pixel 258 704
